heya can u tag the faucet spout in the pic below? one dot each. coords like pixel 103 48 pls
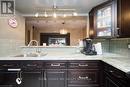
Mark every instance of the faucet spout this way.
pixel 31 43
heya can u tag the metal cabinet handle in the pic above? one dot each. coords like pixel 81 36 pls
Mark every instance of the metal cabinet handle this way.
pixel 118 31
pixel 14 70
pixel 83 64
pixel 55 64
pixel 111 71
pixel 45 75
pixel 31 65
pixel 118 76
pixel 7 65
pixel 81 77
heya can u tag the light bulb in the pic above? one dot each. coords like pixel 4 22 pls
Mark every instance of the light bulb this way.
pixel 75 13
pixel 64 15
pixel 36 15
pixel 54 15
pixel 63 31
pixel 45 14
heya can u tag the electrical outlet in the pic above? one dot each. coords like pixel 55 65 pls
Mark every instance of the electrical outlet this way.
pixel 129 45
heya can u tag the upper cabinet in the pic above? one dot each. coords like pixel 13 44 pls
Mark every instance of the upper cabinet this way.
pixel 107 20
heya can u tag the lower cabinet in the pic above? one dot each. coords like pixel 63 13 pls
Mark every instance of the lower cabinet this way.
pixel 55 78
pixel 114 77
pixel 32 79
pixel 61 74
pixel 87 78
pixel 109 82
pixel 55 74
pixel 83 74
pixel 8 79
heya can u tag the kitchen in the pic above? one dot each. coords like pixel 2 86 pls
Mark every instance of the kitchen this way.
pixel 43 43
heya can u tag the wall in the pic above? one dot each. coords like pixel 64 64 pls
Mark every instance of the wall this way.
pixel 76 26
pixel 117 46
pixel 75 34
pixel 11 38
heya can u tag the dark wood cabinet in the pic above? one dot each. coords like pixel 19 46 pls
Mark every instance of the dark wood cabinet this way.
pixel 55 74
pixel 114 77
pixel 78 73
pixel 32 79
pixel 119 24
pixel 83 74
pixel 8 79
pixel 123 17
pixel 56 78
pixel 103 18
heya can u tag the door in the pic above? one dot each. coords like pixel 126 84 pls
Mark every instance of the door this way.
pixel 8 79
pixel 32 79
pixel 55 78
pixel 111 82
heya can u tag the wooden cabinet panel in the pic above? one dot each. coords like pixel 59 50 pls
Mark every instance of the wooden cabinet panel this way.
pixel 114 77
pixel 83 77
pixel 83 65
pixel 124 18
pixel 32 79
pixel 120 18
pixel 55 78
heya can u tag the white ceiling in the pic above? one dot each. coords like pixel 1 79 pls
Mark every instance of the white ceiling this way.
pixel 81 6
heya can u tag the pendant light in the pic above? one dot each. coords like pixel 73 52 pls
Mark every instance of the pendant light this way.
pixel 63 30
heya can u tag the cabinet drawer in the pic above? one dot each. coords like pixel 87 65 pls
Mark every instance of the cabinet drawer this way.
pixel 31 65
pixel 55 65
pixel 84 65
pixel 9 64
pixel 83 77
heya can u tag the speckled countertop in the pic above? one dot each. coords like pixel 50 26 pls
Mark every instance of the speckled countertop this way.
pixel 119 62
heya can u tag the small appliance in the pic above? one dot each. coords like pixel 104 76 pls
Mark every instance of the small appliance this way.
pixel 88 47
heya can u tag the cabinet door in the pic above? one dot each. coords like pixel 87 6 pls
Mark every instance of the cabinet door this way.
pixel 32 79
pixel 8 79
pixel 111 83
pixel 55 78
pixel 123 17
pixel 83 77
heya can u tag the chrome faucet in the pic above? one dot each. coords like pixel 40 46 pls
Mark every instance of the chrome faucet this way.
pixel 37 50
pixel 31 42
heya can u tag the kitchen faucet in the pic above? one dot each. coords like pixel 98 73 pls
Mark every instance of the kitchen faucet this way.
pixel 37 50
pixel 31 42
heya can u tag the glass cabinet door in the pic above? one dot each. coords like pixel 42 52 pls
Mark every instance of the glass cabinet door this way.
pixel 104 22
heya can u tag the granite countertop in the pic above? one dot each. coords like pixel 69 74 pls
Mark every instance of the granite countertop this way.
pixel 119 62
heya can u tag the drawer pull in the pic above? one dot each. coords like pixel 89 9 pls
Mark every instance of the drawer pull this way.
pixel 55 64
pixel 6 65
pixel 83 64
pixel 32 65
pixel 111 71
pixel 14 69
pixel 86 77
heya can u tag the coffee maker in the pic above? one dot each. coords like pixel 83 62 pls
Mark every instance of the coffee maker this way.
pixel 88 47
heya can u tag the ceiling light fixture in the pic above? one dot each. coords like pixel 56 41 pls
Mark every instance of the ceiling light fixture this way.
pixel 45 14
pixel 55 11
pixel 36 15
pixel 64 15
pixel 63 30
pixel 75 13
pixel 54 15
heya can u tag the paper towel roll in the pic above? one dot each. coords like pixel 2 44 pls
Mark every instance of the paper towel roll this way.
pixel 98 48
